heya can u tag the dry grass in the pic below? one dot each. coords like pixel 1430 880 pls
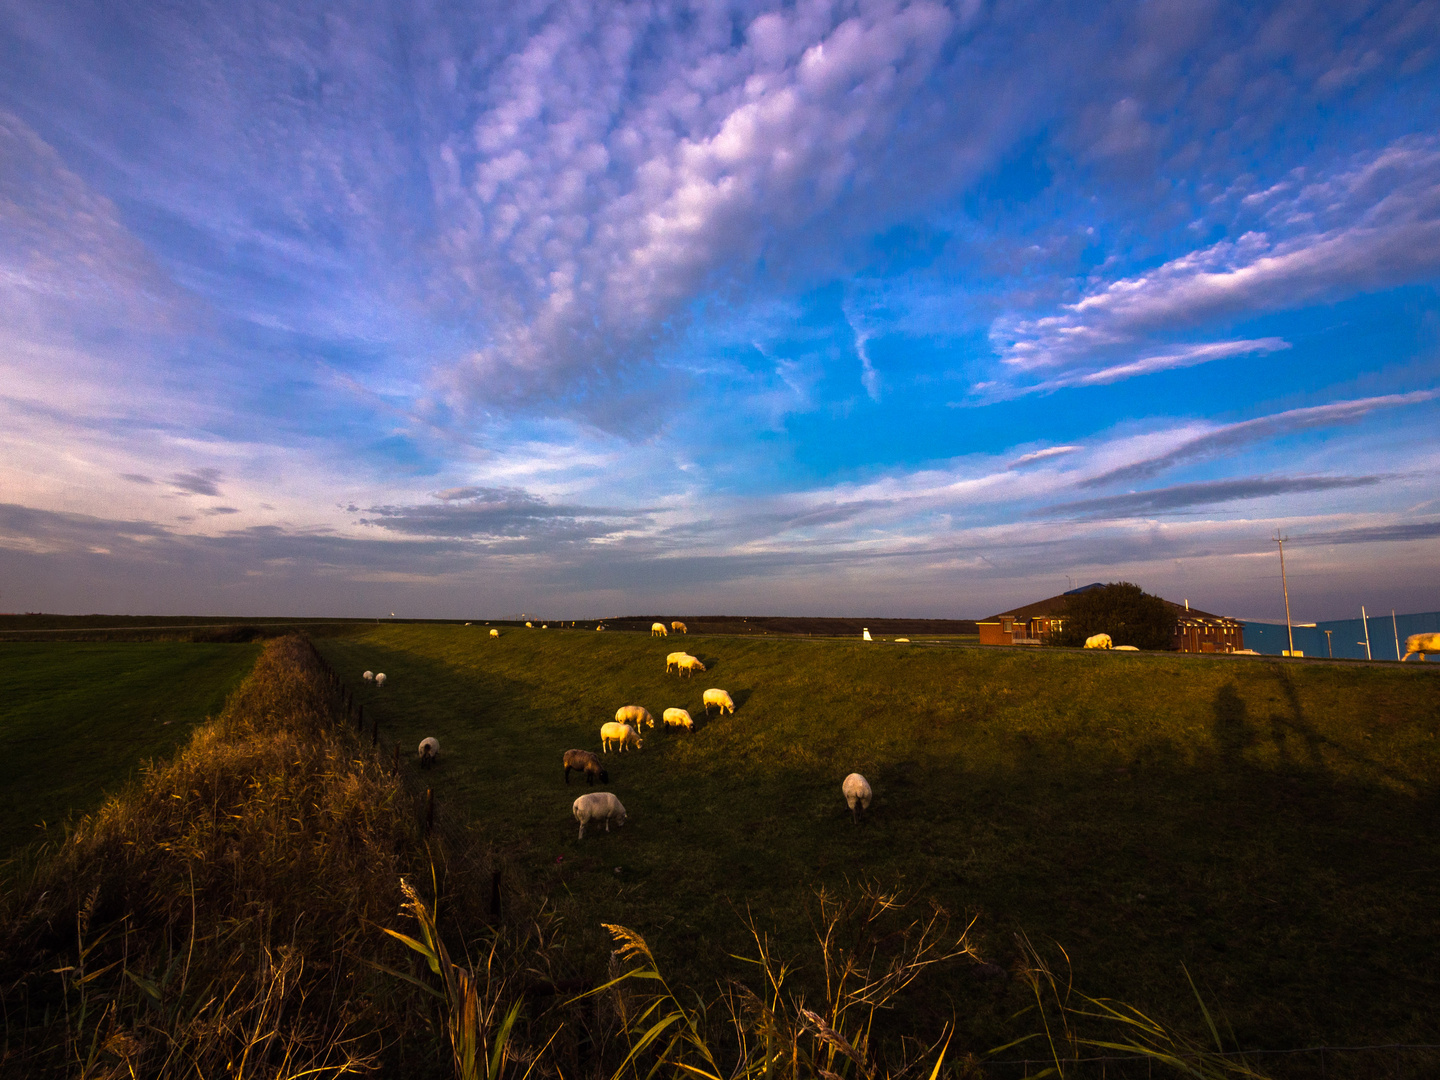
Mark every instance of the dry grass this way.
pixel 211 919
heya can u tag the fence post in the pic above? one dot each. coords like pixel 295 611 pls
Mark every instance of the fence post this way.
pixel 429 810
pixel 495 895
pixel 375 732
pixel 397 755
pixel 360 718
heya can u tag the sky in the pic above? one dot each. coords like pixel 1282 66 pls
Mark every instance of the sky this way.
pixel 582 309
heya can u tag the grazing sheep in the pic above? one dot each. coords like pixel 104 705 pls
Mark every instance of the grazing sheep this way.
pixel 857 795
pixel 380 679
pixel 494 632
pixel 906 640
pixel 596 806
pixel 679 718
pixel 1098 641
pixel 636 715
pixel 530 624
pixel 1421 644
pixel 691 664
pixel 429 752
pixel 673 661
pixel 1126 648
pixel 588 762
pixel 369 676
pixel 657 629
pixel 620 736
pixel 720 699
pixel 679 626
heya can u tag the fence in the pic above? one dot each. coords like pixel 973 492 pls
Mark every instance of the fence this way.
pixel 1346 639
pixel 432 817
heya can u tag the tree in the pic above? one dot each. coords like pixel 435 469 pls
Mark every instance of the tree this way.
pixel 1126 612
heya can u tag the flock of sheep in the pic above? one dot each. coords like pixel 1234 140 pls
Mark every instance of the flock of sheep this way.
pixel 597 807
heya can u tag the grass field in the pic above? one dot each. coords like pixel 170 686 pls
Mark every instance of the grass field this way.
pixel 1271 827
pixel 77 719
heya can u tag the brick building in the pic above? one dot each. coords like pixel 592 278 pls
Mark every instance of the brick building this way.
pixel 1037 623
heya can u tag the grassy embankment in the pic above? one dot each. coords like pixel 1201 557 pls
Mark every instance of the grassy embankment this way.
pixel 77 720
pixel 1271 827
pixel 218 915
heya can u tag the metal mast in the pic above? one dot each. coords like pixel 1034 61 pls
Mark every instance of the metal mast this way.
pixel 1285 587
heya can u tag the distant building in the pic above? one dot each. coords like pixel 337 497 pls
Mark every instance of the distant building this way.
pixel 1036 624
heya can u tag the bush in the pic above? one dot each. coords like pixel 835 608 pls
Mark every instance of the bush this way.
pixel 1126 612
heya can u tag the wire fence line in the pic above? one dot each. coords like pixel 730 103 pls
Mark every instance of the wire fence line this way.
pixel 433 817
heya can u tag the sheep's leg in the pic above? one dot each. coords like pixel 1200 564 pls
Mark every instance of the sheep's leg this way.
pixel 567 775
pixel 582 830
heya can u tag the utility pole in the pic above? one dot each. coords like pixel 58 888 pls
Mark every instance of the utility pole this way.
pixel 1395 628
pixel 1285 587
pixel 1365 622
pixel 1329 647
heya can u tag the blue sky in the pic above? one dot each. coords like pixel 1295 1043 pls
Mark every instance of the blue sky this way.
pixel 815 308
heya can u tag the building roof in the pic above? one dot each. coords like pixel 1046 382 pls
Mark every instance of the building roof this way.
pixel 1055 606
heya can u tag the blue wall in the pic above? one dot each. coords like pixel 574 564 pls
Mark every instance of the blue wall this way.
pixel 1347 636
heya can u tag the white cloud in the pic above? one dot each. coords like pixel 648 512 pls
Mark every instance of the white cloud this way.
pixel 1370 225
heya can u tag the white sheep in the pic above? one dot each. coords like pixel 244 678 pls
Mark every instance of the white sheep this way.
pixel 857 795
pixel 596 806
pixel 906 640
pixel 690 664
pixel 1126 648
pixel 494 632
pixel 657 629
pixel 673 660
pixel 1098 641
pixel 429 752
pixel 530 624
pixel 720 699
pixel 380 679
pixel 369 676
pixel 620 736
pixel 865 633
pixel 679 627
pixel 679 718
pixel 636 715
pixel 1420 645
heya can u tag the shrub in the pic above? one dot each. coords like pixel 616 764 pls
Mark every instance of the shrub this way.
pixel 1126 612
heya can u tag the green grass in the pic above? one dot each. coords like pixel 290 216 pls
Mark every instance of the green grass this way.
pixel 1272 827
pixel 77 719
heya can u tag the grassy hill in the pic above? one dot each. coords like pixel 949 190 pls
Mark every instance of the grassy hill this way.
pixel 76 719
pixel 1271 827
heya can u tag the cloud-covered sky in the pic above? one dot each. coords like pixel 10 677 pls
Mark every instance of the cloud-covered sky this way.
pixel 831 308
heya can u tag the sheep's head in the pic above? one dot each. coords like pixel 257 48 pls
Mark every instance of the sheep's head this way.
pixel 603 776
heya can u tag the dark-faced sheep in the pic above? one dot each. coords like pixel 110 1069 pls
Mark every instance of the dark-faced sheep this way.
pixel 429 752
pixel 587 762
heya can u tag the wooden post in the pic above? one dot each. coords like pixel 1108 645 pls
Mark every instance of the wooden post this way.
pixel 375 732
pixel 429 810
pixel 360 718
pixel 495 895
pixel 397 755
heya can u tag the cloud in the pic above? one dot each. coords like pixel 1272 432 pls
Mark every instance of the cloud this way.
pixel 501 513
pixel 1371 534
pixel 1371 224
pixel 1041 455
pixel 198 482
pixel 671 170
pixel 1233 436
pixel 1208 493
